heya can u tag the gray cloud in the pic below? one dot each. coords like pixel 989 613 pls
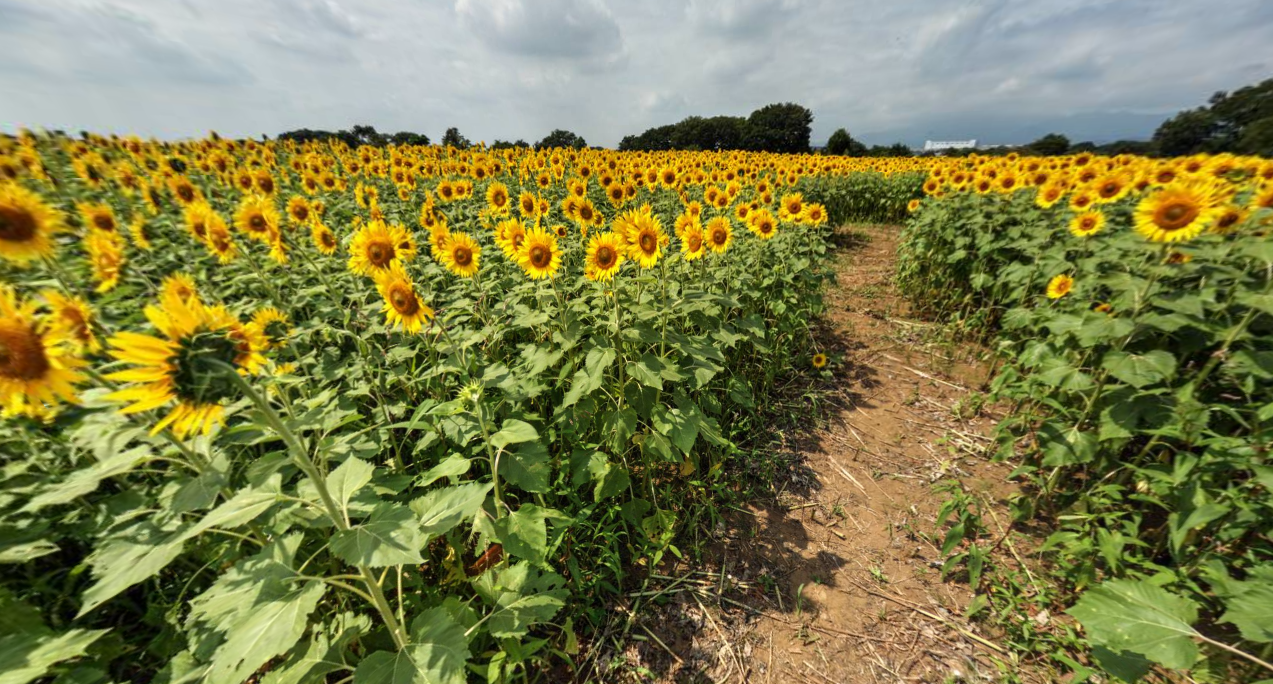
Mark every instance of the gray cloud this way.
pixel 542 28
pixel 605 68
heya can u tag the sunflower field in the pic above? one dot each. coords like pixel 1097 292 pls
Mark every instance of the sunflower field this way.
pixel 1130 302
pixel 287 412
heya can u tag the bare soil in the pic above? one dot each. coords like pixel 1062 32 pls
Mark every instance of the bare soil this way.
pixel 837 578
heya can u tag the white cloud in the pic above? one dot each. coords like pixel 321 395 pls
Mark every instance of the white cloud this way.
pixel 605 68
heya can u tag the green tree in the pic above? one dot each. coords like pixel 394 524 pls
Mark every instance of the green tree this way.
pixel 779 128
pixel 1257 138
pixel 1050 145
pixel 841 143
pixel 561 138
pixel 1185 133
pixel 453 138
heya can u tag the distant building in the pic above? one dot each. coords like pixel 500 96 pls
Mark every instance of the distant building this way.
pixel 942 145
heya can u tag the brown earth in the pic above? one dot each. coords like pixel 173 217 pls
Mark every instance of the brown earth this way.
pixel 838 579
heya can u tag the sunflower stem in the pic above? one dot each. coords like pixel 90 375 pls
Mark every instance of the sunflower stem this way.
pixel 300 456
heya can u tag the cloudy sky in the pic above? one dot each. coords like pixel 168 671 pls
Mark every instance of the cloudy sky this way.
pixel 902 69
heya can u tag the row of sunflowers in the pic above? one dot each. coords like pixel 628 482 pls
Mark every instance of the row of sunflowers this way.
pixel 303 412
pixel 1129 303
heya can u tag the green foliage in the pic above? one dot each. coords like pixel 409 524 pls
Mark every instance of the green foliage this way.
pixel 561 138
pixel 1231 122
pixel 841 143
pixel 773 128
pixel 1050 145
pixel 864 197
pixel 1142 427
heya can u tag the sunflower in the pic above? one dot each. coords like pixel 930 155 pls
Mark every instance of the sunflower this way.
pixel 603 257
pixel 509 235
pixel 539 255
pixel 1060 286
pixel 402 306
pixel 720 235
pixel 1229 218
pixel 272 326
pixel 1110 187
pixel 527 205
pixel 1049 194
pixel 819 361
pixel 298 209
pixel 762 223
pixel 185 191
pixel 39 367
pixel 586 214
pixel 257 218
pixel 692 242
pixel 264 182
pixel 197 215
pixel 814 215
pixel 1177 212
pixel 376 245
pixel 497 198
pixel 790 207
pixel 106 256
pixel 27 224
pixel 219 240
pixel 1087 224
pixel 460 254
pixel 179 285
pixel 324 238
pixel 645 237
pixel 98 216
pixel 137 229
pixel 71 319
pixel 912 206
pixel 185 365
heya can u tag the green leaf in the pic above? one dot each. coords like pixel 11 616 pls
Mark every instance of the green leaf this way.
pixel 1127 667
pixel 442 509
pixel 647 371
pixel 514 432
pixel 270 629
pixel 527 467
pixel 28 551
pixel 451 466
pixel 323 654
pixel 524 533
pixel 391 536
pixel 1062 445
pixel 240 509
pixel 1137 617
pixel 83 482
pixel 345 481
pixel 1251 611
pixel 27 657
pixel 436 655
pixel 522 597
pixel 122 561
pixel 1140 370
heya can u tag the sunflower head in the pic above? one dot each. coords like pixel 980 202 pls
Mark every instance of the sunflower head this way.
pixel 1087 223
pixel 27 224
pixel 39 363
pixel 377 245
pixel 1178 212
pixel 459 253
pixel 273 326
pixel 324 239
pixel 71 318
pixel 1059 286
pixel 604 256
pixel 692 245
pixel 402 305
pixel 820 361
pixel 539 254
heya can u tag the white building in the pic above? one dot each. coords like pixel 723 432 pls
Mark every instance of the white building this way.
pixel 940 145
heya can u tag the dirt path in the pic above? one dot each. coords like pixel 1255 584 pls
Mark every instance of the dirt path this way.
pixel 840 581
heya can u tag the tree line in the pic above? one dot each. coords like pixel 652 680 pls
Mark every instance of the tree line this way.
pixel 784 127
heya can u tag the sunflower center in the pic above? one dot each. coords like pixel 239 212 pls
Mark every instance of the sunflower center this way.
pixel 103 222
pixel 719 236
pixel 1109 189
pixel 199 376
pixel 648 243
pixel 585 213
pixel 380 254
pixel 266 183
pixel 185 192
pixel 403 300
pixel 463 256
pixel 540 256
pixel 16 224
pixel 257 223
pixel 21 354
pixel 328 240
pixel 605 257
pixel 301 213
pixel 1175 215
pixel 695 242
